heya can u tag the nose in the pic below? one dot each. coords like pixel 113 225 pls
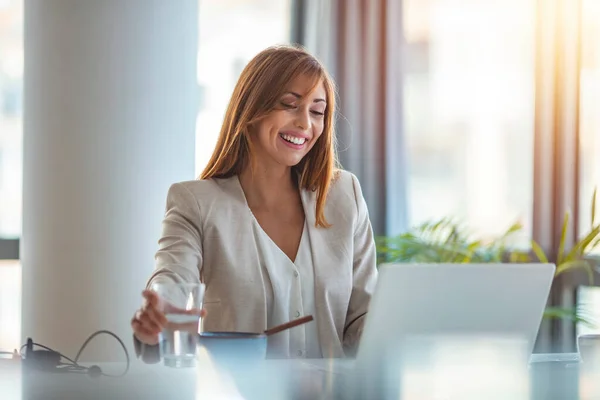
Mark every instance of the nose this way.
pixel 303 119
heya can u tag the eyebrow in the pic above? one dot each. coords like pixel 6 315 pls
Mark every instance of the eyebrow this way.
pixel 299 96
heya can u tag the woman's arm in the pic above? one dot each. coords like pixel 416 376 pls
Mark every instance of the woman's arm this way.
pixel 364 273
pixel 179 256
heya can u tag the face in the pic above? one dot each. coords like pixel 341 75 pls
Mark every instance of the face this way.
pixel 288 132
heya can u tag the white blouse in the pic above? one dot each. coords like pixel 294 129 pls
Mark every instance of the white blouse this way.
pixel 293 287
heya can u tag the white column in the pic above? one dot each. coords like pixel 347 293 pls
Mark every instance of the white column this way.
pixel 110 107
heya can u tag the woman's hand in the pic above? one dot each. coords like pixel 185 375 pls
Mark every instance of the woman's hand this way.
pixel 150 319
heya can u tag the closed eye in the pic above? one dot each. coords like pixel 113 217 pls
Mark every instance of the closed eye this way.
pixel 291 106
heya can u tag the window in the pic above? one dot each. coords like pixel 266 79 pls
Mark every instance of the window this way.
pixel 11 139
pixel 10 304
pixel 589 146
pixel 231 33
pixel 589 113
pixel 469 112
pixel 588 300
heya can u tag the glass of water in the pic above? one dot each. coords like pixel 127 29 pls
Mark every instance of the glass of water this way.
pixel 181 303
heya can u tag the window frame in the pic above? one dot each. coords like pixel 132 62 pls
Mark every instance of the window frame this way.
pixel 9 249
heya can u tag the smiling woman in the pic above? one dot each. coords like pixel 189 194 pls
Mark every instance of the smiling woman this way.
pixel 272 227
pixel 282 92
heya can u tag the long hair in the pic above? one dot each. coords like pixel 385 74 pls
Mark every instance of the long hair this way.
pixel 262 82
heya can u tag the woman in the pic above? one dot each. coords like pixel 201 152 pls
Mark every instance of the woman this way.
pixel 272 228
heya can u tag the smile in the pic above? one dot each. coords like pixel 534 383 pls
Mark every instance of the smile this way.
pixel 298 141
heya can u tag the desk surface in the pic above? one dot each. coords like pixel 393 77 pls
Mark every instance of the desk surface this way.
pixel 550 376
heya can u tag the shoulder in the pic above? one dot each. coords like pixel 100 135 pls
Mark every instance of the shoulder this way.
pixel 198 186
pixel 345 188
pixel 203 192
pixel 345 196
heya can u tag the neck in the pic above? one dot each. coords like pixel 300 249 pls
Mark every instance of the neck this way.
pixel 267 187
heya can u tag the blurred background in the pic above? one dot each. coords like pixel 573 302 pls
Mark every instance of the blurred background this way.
pixel 483 111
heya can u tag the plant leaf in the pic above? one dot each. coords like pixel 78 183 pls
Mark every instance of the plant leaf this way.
pixel 571 265
pixel 573 314
pixel 539 252
pixel 514 228
pixel 519 257
pixel 594 206
pixel 595 244
pixel 581 246
pixel 563 239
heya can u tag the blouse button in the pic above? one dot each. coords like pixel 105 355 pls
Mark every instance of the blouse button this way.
pixel 296 274
pixel 297 314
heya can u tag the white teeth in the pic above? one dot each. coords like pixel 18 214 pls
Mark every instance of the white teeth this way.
pixel 293 139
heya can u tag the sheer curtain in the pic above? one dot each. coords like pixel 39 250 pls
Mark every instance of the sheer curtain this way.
pixel 556 153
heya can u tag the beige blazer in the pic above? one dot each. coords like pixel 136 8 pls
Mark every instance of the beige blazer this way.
pixel 208 235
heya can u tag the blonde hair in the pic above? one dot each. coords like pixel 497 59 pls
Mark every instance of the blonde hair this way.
pixel 262 82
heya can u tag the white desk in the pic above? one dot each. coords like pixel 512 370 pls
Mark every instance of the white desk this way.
pixel 550 377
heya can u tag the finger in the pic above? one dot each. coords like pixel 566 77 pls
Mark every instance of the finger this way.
pixel 154 300
pixel 151 298
pixel 153 306
pixel 156 316
pixel 150 327
pixel 147 321
pixel 143 334
pixel 197 311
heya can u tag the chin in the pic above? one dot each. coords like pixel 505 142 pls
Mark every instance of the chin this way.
pixel 293 164
pixel 287 158
pixel 290 162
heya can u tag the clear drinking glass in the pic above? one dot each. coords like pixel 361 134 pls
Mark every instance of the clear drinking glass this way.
pixel 181 303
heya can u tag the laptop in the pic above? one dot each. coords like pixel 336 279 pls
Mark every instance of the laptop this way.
pixel 434 314
pixel 454 301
